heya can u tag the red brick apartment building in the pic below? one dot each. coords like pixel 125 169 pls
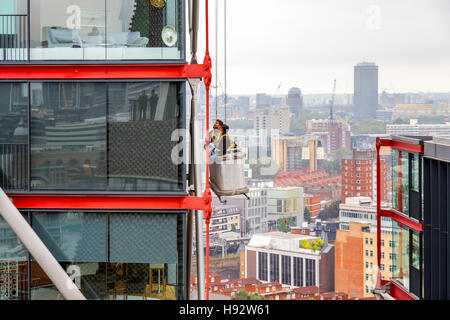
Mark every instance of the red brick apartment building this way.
pixel 312 202
pixel 359 176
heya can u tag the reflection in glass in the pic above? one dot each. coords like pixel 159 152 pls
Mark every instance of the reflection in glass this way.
pixel 415 172
pixel 415 250
pixel 13 265
pixel 14 136
pixel 145 259
pixel 400 265
pixel 142 119
pixel 73 236
pixel 405 182
pixel 68 136
pixel 395 175
pixel 286 270
pixel 74 146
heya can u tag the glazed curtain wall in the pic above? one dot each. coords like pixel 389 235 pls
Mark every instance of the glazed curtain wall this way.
pixel 407 183
pixel 91 136
pixel 109 255
pixel 87 30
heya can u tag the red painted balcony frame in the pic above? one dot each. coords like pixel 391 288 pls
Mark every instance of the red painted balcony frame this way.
pixel 398 292
pixel 108 202
pixel 107 71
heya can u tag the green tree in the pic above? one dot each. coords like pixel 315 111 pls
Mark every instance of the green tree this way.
pixel 283 224
pixel 335 166
pixel 330 212
pixel 256 296
pixel 400 121
pixel 233 227
pixel 368 126
pixel 241 295
pixel 307 215
pixel 317 244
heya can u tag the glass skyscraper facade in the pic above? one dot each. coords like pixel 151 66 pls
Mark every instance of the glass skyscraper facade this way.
pixel 92 119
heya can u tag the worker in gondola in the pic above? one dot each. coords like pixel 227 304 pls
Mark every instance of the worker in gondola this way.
pixel 223 143
pixel 214 134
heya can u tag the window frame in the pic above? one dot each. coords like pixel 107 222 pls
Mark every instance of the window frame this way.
pixel 98 192
pixel 182 36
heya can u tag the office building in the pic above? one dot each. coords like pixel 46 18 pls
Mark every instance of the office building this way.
pixel 420 215
pixel 365 90
pixel 295 101
pixel 272 120
pixel 417 110
pixel 253 210
pixel 291 259
pixel 416 129
pixel 356 258
pixel 263 100
pixel 284 203
pixel 359 175
pixel 333 134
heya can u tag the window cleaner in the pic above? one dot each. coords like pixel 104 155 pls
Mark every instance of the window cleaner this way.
pixel 226 166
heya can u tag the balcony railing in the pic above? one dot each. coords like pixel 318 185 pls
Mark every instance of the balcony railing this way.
pixel 14 37
pixel 13 166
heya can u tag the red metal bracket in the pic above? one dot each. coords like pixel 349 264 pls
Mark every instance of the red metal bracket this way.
pixel 400 218
pixel 399 293
pixel 401 145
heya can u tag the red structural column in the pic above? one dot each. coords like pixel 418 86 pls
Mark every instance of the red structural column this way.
pixel 378 145
pixel 207 194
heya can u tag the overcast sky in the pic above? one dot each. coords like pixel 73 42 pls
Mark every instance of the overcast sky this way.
pixel 308 43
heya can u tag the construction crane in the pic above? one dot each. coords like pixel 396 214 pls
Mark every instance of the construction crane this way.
pixel 332 101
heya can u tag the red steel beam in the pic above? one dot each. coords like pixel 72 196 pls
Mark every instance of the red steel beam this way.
pixel 43 72
pixel 379 143
pixel 399 293
pixel 107 202
pixel 400 218
pixel 401 145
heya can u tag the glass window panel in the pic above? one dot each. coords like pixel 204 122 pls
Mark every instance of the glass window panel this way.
pixel 415 172
pixel 42 287
pixel 138 30
pixel 68 136
pixel 73 236
pixel 286 270
pixel 13 265
pixel 13 7
pixel 138 238
pixel 405 182
pixel 109 29
pixel 143 142
pixel 14 136
pixel 400 265
pixel 274 267
pixel 395 187
pixel 11 248
pixel 67 30
pixel 298 272
pixel 311 272
pixel 415 250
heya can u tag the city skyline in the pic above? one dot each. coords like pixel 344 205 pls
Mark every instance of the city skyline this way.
pixel 330 39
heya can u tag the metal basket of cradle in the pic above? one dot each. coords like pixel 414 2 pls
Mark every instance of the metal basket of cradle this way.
pixel 227 175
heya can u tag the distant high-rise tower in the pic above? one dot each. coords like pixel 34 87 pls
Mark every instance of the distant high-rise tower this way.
pixel 295 101
pixel 263 100
pixel 366 90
